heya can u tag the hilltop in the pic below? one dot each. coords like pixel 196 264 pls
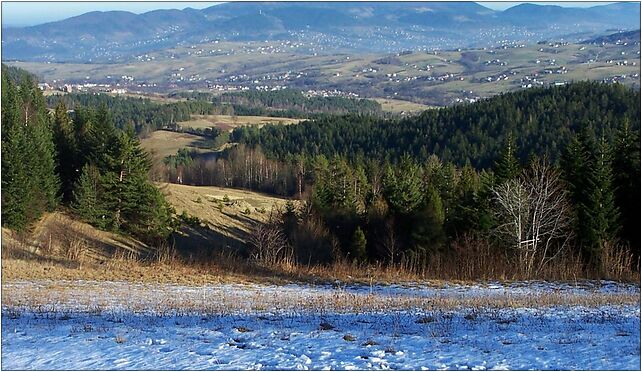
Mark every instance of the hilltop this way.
pixel 118 36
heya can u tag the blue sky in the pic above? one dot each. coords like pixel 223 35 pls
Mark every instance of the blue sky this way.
pixel 23 13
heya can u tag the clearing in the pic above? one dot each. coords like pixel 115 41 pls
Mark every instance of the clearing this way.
pixel 397 106
pixel 229 122
pixel 60 247
pixel 226 215
pixel 162 143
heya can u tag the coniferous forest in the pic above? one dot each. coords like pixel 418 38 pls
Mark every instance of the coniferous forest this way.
pixel 88 164
pixel 414 188
pixel 536 178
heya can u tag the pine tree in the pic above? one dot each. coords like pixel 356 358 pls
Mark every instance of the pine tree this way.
pixel 403 186
pixel 427 231
pixel 15 168
pixel 137 206
pixel 577 164
pixel 507 167
pixel 68 164
pixel 87 200
pixel 30 184
pixel 42 155
pixel 358 245
pixel 626 173
pixel 603 223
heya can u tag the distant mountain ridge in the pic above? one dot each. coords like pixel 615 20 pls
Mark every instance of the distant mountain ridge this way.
pixel 371 26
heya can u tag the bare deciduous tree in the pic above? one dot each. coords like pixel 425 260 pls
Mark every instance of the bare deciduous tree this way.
pixel 390 242
pixel 269 245
pixel 535 216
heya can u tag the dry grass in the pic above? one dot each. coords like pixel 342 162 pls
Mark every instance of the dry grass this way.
pixel 98 297
pixel 223 211
pixel 60 248
pixel 162 143
pixel 398 106
pixel 229 122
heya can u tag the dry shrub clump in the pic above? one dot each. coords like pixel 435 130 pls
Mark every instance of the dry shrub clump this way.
pixel 618 263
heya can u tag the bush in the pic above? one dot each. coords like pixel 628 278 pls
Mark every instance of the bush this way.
pixel 192 221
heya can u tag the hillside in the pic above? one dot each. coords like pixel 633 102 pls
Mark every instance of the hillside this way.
pixel 316 27
pixel 542 120
pixel 162 143
pixel 62 247
pixel 227 123
pixel 226 216
pixel 435 78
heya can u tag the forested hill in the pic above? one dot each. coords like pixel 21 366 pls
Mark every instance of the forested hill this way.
pixel 541 120
pixel 17 75
pixel 290 99
pixel 145 115
pixel 286 102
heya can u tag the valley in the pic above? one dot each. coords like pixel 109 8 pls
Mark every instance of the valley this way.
pixel 436 78
pixel 322 186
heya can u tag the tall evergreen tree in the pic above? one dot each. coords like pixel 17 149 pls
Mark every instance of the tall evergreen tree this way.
pixel 403 186
pixel 427 232
pixel 626 173
pixel 88 196
pixel 29 182
pixel 578 163
pixel 15 168
pixel 68 165
pixel 358 245
pixel 507 167
pixel 603 221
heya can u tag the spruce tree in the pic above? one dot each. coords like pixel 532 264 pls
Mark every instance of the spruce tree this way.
pixel 427 233
pixel 577 165
pixel 29 182
pixel 626 174
pixel 137 206
pixel 403 186
pixel 507 167
pixel 602 213
pixel 68 164
pixel 87 200
pixel 15 167
pixel 358 245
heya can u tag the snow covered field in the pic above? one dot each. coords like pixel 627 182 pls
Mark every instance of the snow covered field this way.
pixel 112 325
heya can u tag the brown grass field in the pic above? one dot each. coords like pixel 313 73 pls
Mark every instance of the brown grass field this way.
pixel 397 106
pixel 162 143
pixel 97 297
pixel 229 122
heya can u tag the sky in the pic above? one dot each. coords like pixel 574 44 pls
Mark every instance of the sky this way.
pixel 24 13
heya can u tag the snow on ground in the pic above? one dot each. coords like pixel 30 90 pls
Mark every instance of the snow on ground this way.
pixel 119 333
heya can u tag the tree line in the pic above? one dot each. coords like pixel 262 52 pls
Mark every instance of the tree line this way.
pixel 143 114
pixel 413 212
pixel 147 116
pixel 287 103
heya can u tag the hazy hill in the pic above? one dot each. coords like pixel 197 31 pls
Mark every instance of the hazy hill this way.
pixel 622 37
pixel 386 26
